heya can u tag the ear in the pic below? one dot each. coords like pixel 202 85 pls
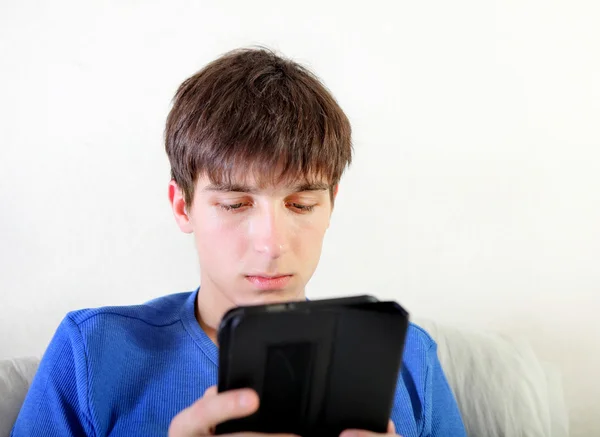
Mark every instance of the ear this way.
pixel 177 200
pixel 335 192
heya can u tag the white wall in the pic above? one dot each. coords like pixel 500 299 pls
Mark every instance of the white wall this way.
pixel 474 198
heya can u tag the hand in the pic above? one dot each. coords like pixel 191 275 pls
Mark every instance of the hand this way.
pixel 391 431
pixel 201 418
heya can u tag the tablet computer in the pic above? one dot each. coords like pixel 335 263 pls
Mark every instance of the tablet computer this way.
pixel 319 367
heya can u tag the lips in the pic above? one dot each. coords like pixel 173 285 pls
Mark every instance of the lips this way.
pixel 268 283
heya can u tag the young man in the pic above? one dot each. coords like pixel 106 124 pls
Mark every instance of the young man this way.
pixel 257 148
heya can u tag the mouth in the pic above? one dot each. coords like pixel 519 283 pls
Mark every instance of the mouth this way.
pixel 269 282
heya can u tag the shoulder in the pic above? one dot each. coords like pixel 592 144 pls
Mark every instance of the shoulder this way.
pixel 419 354
pixel 158 312
pixel 418 339
pixel 128 326
pixel 411 401
pixel 108 337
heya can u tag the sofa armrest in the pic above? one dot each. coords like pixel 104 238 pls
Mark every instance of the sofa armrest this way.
pixel 15 378
pixel 501 387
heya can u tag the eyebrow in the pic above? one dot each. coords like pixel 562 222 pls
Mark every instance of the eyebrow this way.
pixel 240 188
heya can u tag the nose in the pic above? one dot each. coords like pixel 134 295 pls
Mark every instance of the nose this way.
pixel 270 232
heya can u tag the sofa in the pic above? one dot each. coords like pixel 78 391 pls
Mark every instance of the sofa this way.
pixel 502 388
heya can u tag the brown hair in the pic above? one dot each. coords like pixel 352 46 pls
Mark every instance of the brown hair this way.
pixel 252 111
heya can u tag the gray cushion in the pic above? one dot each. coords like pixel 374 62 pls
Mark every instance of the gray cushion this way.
pixel 15 377
pixel 501 387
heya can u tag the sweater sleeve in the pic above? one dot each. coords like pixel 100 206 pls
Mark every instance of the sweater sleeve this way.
pixel 57 401
pixel 443 414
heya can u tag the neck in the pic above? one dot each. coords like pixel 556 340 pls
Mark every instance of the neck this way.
pixel 209 312
pixel 211 306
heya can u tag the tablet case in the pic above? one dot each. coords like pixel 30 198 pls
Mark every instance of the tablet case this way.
pixel 319 367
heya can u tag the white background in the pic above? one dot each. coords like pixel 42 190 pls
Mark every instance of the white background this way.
pixel 474 198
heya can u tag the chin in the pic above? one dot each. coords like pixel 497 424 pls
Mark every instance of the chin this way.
pixel 276 296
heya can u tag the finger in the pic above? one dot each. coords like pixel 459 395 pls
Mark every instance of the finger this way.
pixel 211 391
pixel 391 428
pixel 207 412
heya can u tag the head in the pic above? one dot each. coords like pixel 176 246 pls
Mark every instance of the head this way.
pixel 257 147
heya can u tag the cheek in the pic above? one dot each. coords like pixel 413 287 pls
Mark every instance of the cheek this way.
pixel 217 238
pixel 309 234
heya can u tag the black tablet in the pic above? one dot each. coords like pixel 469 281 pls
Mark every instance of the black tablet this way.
pixel 319 367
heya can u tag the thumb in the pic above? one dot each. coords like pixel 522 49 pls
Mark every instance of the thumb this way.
pixel 391 427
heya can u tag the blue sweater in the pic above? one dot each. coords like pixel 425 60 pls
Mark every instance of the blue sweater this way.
pixel 127 371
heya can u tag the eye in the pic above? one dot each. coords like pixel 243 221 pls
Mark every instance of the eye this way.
pixel 300 207
pixel 231 207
